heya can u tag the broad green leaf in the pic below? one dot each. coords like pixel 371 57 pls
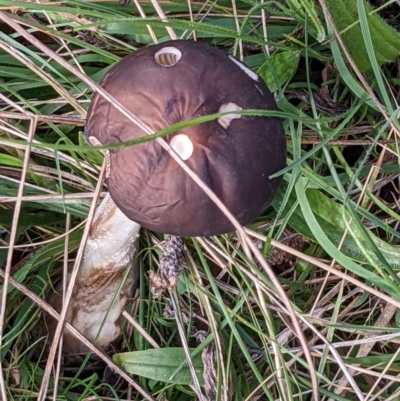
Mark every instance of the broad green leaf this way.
pixel 385 39
pixel 303 9
pixel 284 63
pixel 330 216
pixel 383 284
pixel 163 364
pixel 7 160
pixel 29 219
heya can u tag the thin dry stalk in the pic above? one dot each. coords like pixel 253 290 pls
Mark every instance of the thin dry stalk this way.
pixel 163 18
pixel 143 15
pixel 64 289
pixel 13 234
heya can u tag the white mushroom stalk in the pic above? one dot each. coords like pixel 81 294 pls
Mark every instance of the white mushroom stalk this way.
pixel 100 294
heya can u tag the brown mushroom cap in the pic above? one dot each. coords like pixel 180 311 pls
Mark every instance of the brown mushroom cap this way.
pixel 234 155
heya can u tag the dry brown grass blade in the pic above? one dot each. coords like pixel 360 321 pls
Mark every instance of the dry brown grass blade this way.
pixel 41 243
pixel 14 228
pixel 185 347
pixel 16 106
pixel 44 198
pixel 394 337
pixel 338 359
pixel 47 153
pixel 189 3
pixel 255 251
pixel 163 18
pixel 196 387
pixel 237 25
pixel 389 383
pixel 212 323
pixel 143 15
pixel 61 119
pixel 64 290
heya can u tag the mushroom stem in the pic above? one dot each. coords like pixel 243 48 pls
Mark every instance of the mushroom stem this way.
pixel 99 298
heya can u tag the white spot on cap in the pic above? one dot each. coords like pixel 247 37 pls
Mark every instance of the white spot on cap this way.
pixel 106 153
pixel 182 145
pixel 94 141
pixel 247 70
pixel 226 119
pixel 168 56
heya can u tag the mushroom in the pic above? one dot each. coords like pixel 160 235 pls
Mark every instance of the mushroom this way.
pixel 110 250
pixel 234 155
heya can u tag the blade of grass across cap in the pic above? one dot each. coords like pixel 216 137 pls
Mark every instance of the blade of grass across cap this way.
pixel 175 305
